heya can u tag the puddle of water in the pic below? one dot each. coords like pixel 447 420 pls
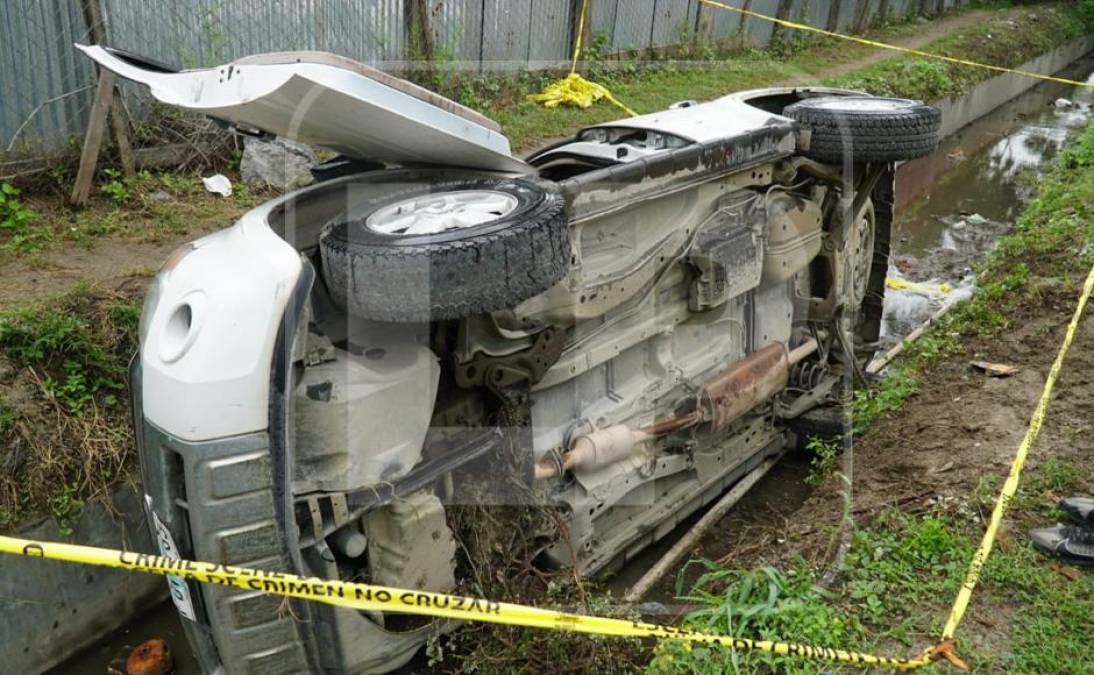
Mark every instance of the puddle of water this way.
pixel 954 205
pixel 161 622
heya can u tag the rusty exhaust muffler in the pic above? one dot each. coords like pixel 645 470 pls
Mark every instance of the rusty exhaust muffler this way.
pixel 722 401
pixel 740 388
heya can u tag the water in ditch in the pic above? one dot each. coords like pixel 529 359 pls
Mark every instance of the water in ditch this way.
pixel 952 207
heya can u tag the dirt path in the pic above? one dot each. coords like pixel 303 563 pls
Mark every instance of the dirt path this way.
pixel 927 33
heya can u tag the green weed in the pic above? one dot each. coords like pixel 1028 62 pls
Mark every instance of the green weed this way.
pixel 70 354
pixel 765 604
pixel 887 396
pixel 825 453
pixel 19 221
pixel 65 508
pixel 7 417
pixel 116 187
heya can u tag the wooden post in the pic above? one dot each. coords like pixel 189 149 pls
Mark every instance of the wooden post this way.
pixel 742 28
pixel 783 12
pixel 575 25
pixel 862 13
pixel 704 21
pixel 833 16
pixel 419 36
pixel 883 12
pixel 93 138
pixel 93 16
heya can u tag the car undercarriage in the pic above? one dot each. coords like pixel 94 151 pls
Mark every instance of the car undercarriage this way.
pixel 613 330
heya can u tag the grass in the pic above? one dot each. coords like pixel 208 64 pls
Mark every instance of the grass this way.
pixel 64 418
pixel 1006 42
pixel 900 577
pixel 150 207
pixel 895 575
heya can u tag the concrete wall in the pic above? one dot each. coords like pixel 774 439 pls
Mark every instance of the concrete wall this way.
pixel 51 610
pixel 990 94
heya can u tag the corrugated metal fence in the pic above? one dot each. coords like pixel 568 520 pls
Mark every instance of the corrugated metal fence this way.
pixel 46 86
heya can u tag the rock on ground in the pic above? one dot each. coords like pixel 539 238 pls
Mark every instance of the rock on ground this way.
pixel 282 164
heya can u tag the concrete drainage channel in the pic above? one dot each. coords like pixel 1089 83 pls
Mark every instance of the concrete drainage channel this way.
pixel 1004 125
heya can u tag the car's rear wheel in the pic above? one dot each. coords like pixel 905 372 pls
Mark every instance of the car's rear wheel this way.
pixel 869 129
pixel 446 249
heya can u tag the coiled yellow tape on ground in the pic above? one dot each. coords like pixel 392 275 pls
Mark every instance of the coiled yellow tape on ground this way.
pixel 380 598
pixel 574 89
pixel 896 48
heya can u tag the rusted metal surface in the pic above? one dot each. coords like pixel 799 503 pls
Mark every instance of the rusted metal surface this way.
pixel 671 424
pixel 745 384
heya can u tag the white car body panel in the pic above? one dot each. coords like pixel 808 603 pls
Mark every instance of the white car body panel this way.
pixel 347 108
pixel 215 381
pixel 700 123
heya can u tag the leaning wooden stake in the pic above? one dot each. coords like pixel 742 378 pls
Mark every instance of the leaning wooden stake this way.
pixel 880 362
pixel 673 555
pixel 93 138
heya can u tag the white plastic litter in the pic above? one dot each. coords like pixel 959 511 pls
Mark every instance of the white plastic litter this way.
pixel 218 185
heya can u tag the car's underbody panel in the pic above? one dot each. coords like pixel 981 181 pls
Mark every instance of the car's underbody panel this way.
pixel 702 281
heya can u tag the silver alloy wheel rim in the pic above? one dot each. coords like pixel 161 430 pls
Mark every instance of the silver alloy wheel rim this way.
pixel 863 257
pixel 441 212
pixel 861 104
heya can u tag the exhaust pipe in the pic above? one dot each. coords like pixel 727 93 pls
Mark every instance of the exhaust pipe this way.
pixel 722 401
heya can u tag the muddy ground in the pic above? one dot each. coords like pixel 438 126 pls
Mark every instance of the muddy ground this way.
pixel 963 427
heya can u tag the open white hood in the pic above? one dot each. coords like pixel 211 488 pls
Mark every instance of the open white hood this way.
pixel 333 102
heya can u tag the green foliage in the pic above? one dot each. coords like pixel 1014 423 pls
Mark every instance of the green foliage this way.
pixel 116 187
pixel 899 573
pixel 19 221
pixel 825 452
pixel 925 79
pixel 77 360
pixel 764 603
pixel 181 184
pixel 888 395
pixel 1086 12
pixel 65 508
pixel 7 417
pixel 901 559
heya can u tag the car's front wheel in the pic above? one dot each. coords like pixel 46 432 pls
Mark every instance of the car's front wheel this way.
pixel 446 249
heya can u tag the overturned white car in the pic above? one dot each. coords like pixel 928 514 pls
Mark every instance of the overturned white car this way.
pixel 619 327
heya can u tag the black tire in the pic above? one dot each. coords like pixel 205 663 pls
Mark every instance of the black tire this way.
pixel 452 274
pixel 829 423
pixel 868 128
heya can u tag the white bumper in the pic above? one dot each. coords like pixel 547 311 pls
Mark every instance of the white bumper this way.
pixel 210 329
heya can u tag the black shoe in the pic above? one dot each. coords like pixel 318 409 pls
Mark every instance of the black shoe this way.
pixel 1071 545
pixel 1079 509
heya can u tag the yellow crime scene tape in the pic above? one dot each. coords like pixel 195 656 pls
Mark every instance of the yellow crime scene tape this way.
pixel 916 287
pixel 382 598
pixel 575 89
pixel 891 47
